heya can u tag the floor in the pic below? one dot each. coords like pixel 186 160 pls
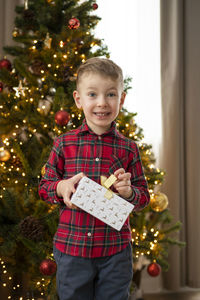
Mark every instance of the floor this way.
pixel 173 296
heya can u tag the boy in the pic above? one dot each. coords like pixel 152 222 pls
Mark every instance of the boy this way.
pixel 94 261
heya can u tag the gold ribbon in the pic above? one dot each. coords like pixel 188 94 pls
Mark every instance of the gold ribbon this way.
pixel 107 182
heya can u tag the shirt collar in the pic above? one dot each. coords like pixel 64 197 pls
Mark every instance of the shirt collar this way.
pixel 84 128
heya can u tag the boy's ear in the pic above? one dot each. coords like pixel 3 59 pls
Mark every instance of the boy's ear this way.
pixel 122 99
pixel 77 99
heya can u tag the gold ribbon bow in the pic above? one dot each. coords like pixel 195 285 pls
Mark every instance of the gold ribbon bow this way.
pixel 107 182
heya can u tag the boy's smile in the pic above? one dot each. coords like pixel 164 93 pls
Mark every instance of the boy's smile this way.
pixel 101 98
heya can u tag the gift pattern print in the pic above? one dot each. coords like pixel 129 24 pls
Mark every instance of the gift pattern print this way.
pixel 91 197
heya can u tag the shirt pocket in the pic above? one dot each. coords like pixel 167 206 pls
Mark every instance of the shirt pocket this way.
pixel 117 163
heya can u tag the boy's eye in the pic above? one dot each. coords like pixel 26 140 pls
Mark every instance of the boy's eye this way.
pixel 91 94
pixel 111 94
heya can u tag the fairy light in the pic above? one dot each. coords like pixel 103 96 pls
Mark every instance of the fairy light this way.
pixel 65 56
pixel 55 55
pixel 157 233
pixel 148 152
pixel 152 245
pixel 49 65
pixel 61 44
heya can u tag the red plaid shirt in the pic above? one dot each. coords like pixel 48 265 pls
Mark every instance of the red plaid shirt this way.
pixel 81 150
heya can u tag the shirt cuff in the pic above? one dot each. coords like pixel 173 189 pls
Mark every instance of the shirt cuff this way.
pixel 132 197
pixel 52 193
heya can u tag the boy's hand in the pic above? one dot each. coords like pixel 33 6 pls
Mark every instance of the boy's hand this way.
pixel 66 188
pixel 123 183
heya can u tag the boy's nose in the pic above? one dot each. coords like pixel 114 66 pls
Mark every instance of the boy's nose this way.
pixel 102 101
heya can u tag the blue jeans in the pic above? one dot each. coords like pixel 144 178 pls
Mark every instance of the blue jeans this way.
pixel 106 278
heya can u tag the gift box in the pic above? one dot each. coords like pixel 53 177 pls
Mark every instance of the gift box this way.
pixel 101 202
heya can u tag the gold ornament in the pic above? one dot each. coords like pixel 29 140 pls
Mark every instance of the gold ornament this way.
pixel 159 202
pixel 4 155
pixel 43 170
pixel 15 32
pixel 47 42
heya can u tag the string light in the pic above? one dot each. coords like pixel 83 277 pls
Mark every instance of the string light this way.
pixel 61 44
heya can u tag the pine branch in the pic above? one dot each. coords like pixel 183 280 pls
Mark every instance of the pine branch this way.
pixel 24 72
pixel 22 157
pixel 172 241
pixel 175 227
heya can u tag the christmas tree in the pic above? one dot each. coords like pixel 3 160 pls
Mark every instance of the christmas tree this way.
pixel 53 37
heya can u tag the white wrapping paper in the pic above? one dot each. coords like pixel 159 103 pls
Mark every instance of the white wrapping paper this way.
pixel 90 196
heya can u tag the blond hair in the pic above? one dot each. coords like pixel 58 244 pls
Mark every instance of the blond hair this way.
pixel 102 66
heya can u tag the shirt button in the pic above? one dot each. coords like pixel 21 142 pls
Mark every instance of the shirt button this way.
pixel 99 137
pixel 97 158
pixel 89 234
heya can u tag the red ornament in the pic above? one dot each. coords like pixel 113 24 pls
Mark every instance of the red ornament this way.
pixel 5 63
pixel 154 269
pixel 1 87
pixel 62 117
pixel 74 23
pixel 95 6
pixel 48 267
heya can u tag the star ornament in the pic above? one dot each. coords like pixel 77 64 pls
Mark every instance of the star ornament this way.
pixel 19 90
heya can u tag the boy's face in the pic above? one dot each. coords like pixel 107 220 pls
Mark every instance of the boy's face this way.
pixel 101 98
